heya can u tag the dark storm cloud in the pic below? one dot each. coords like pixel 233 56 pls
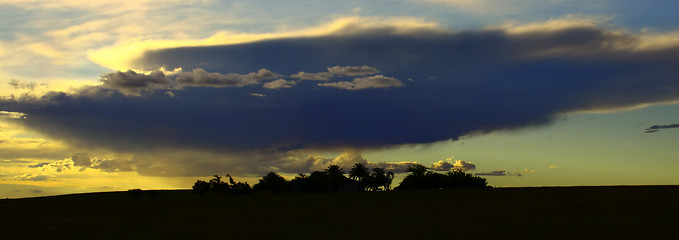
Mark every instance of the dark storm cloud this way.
pixel 462 82
pixel 656 128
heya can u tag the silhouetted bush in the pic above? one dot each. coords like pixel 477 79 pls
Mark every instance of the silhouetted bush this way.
pixel 217 186
pixel 135 193
pixel 201 187
pixel 239 188
pixel 330 180
pixel 273 183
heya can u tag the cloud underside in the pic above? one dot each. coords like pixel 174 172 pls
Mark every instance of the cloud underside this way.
pixel 461 83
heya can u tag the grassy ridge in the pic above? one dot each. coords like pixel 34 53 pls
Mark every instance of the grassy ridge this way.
pixel 642 212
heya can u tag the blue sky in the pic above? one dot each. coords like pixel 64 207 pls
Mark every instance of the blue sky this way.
pixel 155 94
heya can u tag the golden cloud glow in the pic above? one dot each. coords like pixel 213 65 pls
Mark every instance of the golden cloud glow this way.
pixel 46 50
pixel 121 55
pixel 642 41
pixel 43 85
pixel 657 41
pixel 552 25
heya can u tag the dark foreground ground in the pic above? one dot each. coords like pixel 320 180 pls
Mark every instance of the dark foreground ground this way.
pixel 647 212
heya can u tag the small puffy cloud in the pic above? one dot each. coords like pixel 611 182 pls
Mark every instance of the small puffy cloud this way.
pixel 308 164
pixel 352 71
pixel 442 166
pixel 59 166
pixel 377 81
pixel 113 165
pixel 395 167
pixel 257 95
pixel 529 170
pixel 133 83
pixel 321 76
pixel 12 115
pixel 18 84
pixel 35 191
pixel 449 165
pixel 201 78
pixel 345 160
pixel 656 128
pixel 553 166
pixel 348 159
pixel 81 160
pixel 464 166
pixel 139 83
pixel 279 83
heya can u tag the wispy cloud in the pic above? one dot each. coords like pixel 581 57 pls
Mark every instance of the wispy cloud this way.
pixel 378 81
pixel 656 128
pixel 34 177
pixel 499 173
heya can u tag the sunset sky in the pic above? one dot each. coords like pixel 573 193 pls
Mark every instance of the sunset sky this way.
pixel 115 95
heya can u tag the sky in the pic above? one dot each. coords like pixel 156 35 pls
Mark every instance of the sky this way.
pixel 109 96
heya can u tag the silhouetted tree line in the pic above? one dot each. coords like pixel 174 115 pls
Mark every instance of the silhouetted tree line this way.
pixel 217 186
pixel 333 180
pixel 421 178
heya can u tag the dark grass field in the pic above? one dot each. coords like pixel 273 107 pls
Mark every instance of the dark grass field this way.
pixel 643 212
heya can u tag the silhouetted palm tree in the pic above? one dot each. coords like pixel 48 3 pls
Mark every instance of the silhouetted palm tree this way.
pixel 334 171
pixel 336 175
pixel 360 173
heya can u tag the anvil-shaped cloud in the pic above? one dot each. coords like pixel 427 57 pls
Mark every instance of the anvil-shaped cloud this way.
pixel 419 86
